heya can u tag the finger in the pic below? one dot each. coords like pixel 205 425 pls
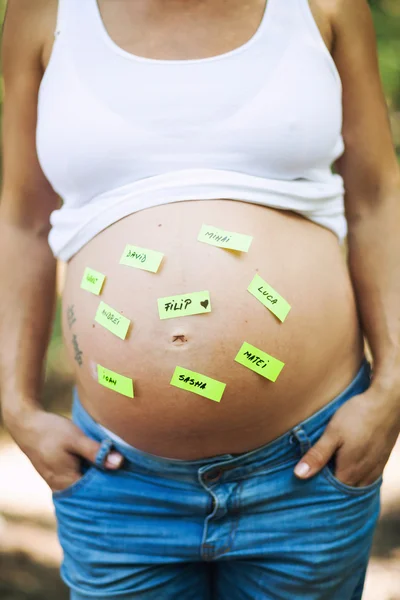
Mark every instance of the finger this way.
pixel 89 448
pixel 114 460
pixel 64 476
pixel 318 455
pixel 57 483
pixel 369 480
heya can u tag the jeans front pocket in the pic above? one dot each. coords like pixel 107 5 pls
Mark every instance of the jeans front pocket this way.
pixel 328 471
pixel 88 470
pixel 329 474
pixel 87 475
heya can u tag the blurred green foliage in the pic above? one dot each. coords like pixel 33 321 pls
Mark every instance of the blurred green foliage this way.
pixel 387 27
pixel 2 9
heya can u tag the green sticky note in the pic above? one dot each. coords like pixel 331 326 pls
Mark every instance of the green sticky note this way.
pixel 269 297
pixel 92 281
pixel 198 384
pixel 141 258
pixel 114 381
pixel 112 320
pixel 183 305
pixel 260 362
pixel 224 239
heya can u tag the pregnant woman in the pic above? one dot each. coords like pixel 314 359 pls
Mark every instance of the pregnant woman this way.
pixel 227 438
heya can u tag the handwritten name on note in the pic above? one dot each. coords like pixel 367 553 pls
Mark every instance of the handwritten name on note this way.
pixel 269 297
pixel 195 303
pixel 198 384
pixel 259 361
pixel 112 320
pixel 114 381
pixel 92 281
pixel 224 239
pixel 141 258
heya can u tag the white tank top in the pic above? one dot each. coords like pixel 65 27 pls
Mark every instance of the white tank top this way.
pixel 117 133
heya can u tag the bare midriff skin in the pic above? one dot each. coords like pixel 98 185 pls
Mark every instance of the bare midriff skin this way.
pixel 320 341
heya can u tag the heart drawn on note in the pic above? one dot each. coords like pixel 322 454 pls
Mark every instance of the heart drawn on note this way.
pixel 204 304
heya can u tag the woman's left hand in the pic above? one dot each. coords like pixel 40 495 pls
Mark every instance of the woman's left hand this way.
pixel 361 434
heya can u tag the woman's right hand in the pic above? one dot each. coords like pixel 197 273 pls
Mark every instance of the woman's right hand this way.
pixel 55 446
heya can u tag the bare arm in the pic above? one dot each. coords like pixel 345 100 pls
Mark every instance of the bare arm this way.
pixel 27 267
pixel 364 430
pixel 372 180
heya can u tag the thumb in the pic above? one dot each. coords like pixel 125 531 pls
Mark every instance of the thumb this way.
pixel 89 448
pixel 318 455
pixel 114 460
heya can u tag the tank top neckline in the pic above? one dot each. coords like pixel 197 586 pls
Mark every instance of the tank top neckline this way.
pixel 98 19
pixel 260 124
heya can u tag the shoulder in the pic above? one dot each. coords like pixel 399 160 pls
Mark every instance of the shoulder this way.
pixel 348 29
pixel 323 12
pixel 335 9
pixel 345 15
pixel 27 28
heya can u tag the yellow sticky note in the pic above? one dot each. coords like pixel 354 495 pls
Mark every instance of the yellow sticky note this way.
pixel 260 362
pixel 112 320
pixel 114 381
pixel 141 258
pixel 198 384
pixel 92 281
pixel 269 297
pixel 195 303
pixel 224 239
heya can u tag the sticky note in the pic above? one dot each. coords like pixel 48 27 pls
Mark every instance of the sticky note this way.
pixel 260 362
pixel 224 239
pixel 182 305
pixel 198 384
pixel 114 381
pixel 112 320
pixel 269 297
pixel 141 258
pixel 92 281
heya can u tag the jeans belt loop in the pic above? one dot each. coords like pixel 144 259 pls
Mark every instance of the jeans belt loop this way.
pixel 302 438
pixel 102 453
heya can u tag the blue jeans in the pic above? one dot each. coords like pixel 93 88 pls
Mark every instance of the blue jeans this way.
pixel 231 527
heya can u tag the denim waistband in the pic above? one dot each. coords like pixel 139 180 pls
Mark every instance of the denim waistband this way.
pixel 234 466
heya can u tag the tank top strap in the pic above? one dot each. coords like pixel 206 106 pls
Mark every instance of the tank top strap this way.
pixel 281 7
pixel 315 37
pixel 74 18
pixel 283 18
pixel 63 8
pixel 309 22
pixel 294 19
pixel 269 7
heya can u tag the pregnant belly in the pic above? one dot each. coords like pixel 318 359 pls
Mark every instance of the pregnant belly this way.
pixel 319 342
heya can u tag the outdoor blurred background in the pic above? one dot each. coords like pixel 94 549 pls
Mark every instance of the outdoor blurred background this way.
pixel 29 551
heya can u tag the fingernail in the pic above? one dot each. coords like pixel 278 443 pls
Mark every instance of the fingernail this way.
pixel 114 459
pixel 302 469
